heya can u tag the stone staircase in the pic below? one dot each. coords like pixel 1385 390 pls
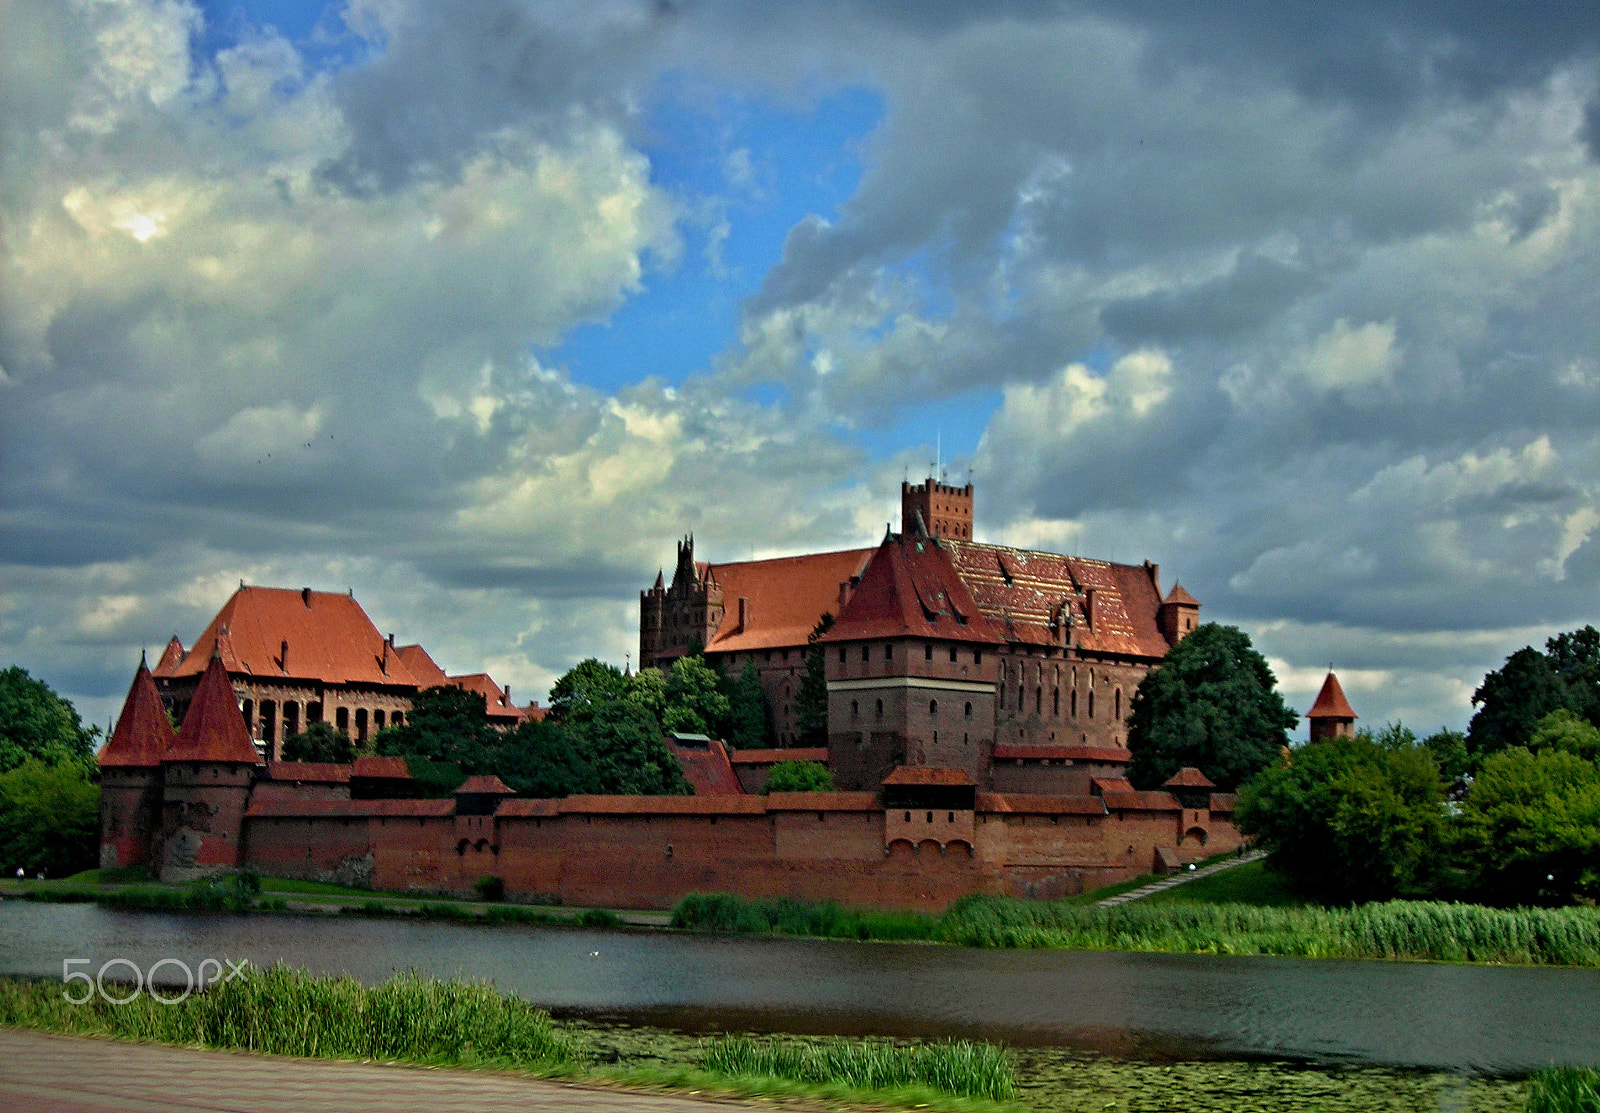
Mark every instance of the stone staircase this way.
pixel 1181 878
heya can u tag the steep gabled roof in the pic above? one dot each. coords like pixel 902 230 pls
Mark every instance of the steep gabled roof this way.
pixel 708 770
pixel 143 732
pixel 485 784
pixel 213 729
pixel 422 667
pixel 1331 703
pixel 330 638
pixel 1023 591
pixel 1188 777
pixel 1179 597
pixel 911 589
pixel 170 656
pixel 785 597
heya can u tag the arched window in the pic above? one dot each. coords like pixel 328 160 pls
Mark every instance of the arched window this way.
pixel 1072 703
pixel 1091 703
pixel 969 709
pixel 1055 701
pixel 855 708
pixel 933 707
pixel 927 652
pixel 1038 701
pixel 1117 705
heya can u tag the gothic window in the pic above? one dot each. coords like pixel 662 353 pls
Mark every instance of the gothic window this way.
pixel 927 652
pixel 952 654
pixel 1117 705
pixel 1072 703
pixel 1091 703
pixel 880 709
pixel 933 707
pixel 969 709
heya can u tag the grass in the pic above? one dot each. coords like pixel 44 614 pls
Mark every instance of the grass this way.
pixel 1395 930
pixel 120 875
pixel 978 1070
pixel 1565 1090
pixel 1251 883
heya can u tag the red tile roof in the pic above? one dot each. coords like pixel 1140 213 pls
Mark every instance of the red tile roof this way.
pixel 772 757
pixel 317 772
pixel 1104 754
pixel 330 638
pixel 823 802
pixel 495 699
pixel 284 808
pixel 927 775
pixel 785 597
pixel 1331 703
pixel 1181 597
pixel 526 808
pixel 170 656
pixel 1141 802
pixel 1188 777
pixel 708 770
pixel 911 588
pixel 143 732
pixel 371 766
pixel 213 729
pixel 1038 804
pixel 427 673
pixel 1023 591
pixel 664 805
pixel 484 784
pixel 1222 802
pixel 1110 784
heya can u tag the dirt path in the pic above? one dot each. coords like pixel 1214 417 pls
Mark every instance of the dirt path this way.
pixel 69 1074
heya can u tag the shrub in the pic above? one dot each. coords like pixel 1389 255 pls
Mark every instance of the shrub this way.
pixel 799 776
pixel 491 888
pixel 962 1068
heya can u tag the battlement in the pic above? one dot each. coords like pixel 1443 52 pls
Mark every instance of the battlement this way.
pixel 944 510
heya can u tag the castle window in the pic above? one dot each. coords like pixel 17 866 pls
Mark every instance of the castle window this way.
pixel 908 817
pixel 880 709
pixel 952 654
pixel 1055 701
pixel 1091 703
pixel 1038 700
pixel 397 719
pixel 866 654
pixel 888 651
pixel 855 708
pixel 1117 712
pixel 341 719
pixel 361 724
pixel 933 707
pixel 841 654
pixel 969 709
pixel 977 656
pixel 927 652
pixel 1072 702
pixel 377 720
pixel 248 708
pixel 930 817
pixel 1022 696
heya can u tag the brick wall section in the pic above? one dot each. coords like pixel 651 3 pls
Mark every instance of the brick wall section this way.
pixel 130 810
pixel 202 818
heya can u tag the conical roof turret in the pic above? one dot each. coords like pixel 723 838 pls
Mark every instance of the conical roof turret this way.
pixel 1331 703
pixel 143 733
pixel 213 729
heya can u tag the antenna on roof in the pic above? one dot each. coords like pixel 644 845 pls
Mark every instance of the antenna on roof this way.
pixel 938 455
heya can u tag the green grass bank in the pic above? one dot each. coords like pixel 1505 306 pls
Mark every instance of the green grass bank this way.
pixel 1412 930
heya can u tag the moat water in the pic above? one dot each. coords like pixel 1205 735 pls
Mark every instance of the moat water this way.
pixel 1475 1019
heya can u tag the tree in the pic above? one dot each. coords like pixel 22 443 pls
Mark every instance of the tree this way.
pixel 589 682
pixel 544 760
pixel 694 700
pixel 1212 704
pixel 49 818
pixel 623 743
pixel 1575 658
pixel 319 742
pixel 811 702
pixel 1350 819
pixel 446 724
pixel 799 776
pixel 36 723
pixel 1511 701
pixel 1567 732
pixel 1449 749
pixel 1530 828
pixel 648 688
pixel 749 718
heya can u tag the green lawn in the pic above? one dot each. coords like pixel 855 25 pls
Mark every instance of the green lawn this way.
pixel 124 875
pixel 1251 883
pixel 317 888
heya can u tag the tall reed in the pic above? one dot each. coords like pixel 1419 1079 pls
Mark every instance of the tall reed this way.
pixel 1564 1090
pixel 961 1068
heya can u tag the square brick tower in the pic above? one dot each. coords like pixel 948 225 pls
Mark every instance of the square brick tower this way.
pixel 942 509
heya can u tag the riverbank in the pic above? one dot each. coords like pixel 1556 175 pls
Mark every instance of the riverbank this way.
pixel 1048 1080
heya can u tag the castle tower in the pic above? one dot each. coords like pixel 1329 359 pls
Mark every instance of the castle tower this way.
pixel 675 619
pixel 945 510
pixel 207 773
pixel 1179 615
pixel 1331 716
pixel 130 775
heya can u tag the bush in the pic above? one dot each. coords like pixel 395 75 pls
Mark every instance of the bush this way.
pixel 1530 828
pixel 49 819
pixel 799 776
pixel 319 742
pixel 491 888
pixel 599 918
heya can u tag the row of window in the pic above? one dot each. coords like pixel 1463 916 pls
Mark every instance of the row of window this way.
pixel 933 708
pixel 266 726
pixel 1055 702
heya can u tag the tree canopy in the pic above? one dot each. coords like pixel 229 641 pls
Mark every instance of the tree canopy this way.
pixel 623 742
pixel 1530 828
pixel 49 818
pixel 1213 704
pixel 319 742
pixel 447 724
pixel 799 776
pixel 695 703
pixel 589 682
pixel 749 718
pixel 37 724
pixel 1513 699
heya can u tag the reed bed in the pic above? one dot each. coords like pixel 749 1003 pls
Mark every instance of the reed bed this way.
pixel 283 1011
pixel 1564 1090
pixel 1395 930
pixel 961 1068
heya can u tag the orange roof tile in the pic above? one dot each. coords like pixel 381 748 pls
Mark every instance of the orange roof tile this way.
pixel 1141 802
pixel 213 729
pixel 1181 597
pixel 785 597
pixel 497 703
pixel 1222 802
pixel 911 588
pixel 1331 703
pixel 527 808
pixel 823 802
pixel 329 638
pixel 1039 804
pixel 708 770
pixel 1022 591
pixel 372 766
pixel 170 656
pixel 1105 754
pixel 772 757
pixel 1188 777
pixel 1111 784
pixel 927 775
pixel 422 667
pixel 485 784
pixel 318 772
pixel 143 732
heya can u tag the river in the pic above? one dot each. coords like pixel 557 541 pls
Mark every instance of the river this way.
pixel 1476 1019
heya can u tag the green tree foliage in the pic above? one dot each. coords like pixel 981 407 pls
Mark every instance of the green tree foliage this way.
pixel 1567 732
pixel 648 688
pixel 694 700
pixel 49 818
pixel 1511 701
pixel 1212 704
pixel 588 682
pixel 1449 749
pixel 1530 828
pixel 36 723
pixel 446 724
pixel 623 742
pixel 811 702
pixel 799 776
pixel 1575 659
pixel 1351 819
pixel 544 760
pixel 749 717
pixel 319 742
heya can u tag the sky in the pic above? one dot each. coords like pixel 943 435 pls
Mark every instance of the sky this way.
pixel 474 308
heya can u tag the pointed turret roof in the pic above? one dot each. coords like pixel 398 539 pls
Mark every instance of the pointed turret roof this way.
pixel 1331 703
pixel 170 656
pixel 213 729
pixel 143 733
pixel 1188 777
pixel 1180 596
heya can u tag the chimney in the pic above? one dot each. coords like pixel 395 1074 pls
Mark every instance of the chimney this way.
pixel 305 596
pixel 505 698
pixel 283 656
pixel 1091 608
pixel 744 613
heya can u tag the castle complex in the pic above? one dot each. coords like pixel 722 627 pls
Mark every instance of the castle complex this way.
pixel 977 704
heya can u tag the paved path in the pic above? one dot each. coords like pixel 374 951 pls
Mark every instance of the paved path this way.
pixel 1182 878
pixel 41 1073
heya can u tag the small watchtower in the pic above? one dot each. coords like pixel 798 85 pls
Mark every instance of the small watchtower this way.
pixel 945 510
pixel 1331 716
pixel 130 775
pixel 1179 615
